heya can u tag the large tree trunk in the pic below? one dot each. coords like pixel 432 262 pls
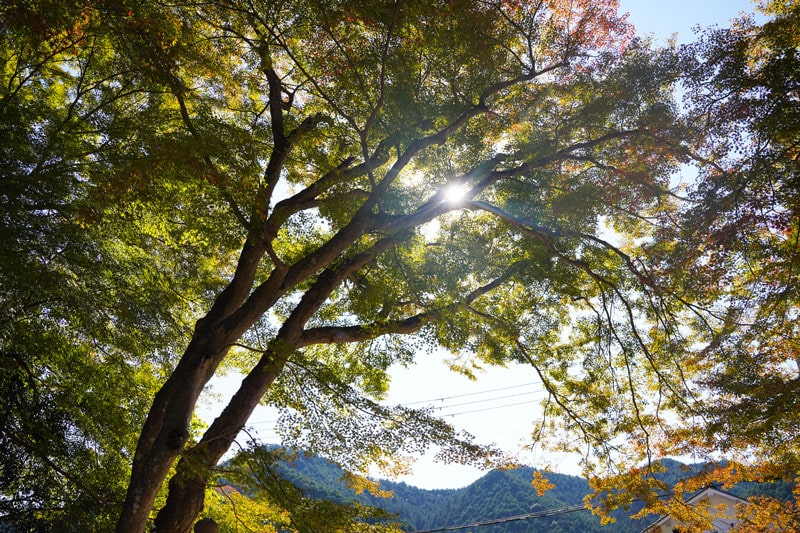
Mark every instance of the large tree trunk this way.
pixel 166 431
pixel 187 487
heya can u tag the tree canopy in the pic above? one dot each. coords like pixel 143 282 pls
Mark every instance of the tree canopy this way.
pixel 268 186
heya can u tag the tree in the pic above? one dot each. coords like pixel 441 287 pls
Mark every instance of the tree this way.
pixel 748 197
pixel 278 174
pixel 735 257
pixel 88 318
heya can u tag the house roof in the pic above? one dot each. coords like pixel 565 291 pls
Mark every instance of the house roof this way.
pixel 714 490
pixel 711 490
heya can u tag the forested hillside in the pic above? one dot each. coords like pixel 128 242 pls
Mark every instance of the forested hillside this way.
pixel 497 495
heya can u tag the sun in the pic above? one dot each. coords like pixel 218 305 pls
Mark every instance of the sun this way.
pixel 455 193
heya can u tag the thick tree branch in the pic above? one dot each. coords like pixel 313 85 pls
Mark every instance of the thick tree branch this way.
pixel 187 487
pixel 345 334
pixel 417 146
pixel 411 324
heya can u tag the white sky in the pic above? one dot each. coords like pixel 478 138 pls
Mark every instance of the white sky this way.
pixel 501 405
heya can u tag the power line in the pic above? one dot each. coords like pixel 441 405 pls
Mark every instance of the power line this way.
pixel 443 415
pixel 487 399
pixel 443 398
pixel 517 518
pixel 485 409
pixel 443 407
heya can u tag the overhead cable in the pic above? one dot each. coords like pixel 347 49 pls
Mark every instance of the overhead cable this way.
pixel 443 398
pixel 517 518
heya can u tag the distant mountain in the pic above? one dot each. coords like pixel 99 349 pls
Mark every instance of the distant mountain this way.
pixel 497 495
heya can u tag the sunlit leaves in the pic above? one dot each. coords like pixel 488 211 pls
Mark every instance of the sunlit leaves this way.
pixel 735 257
pixel 745 227
pixel 98 289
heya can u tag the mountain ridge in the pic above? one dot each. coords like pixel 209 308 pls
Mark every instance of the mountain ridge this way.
pixel 496 496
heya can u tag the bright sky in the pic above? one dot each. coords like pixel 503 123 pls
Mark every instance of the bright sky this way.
pixel 665 17
pixel 501 405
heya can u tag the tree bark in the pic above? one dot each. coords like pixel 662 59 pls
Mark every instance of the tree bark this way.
pixel 167 430
pixel 187 487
